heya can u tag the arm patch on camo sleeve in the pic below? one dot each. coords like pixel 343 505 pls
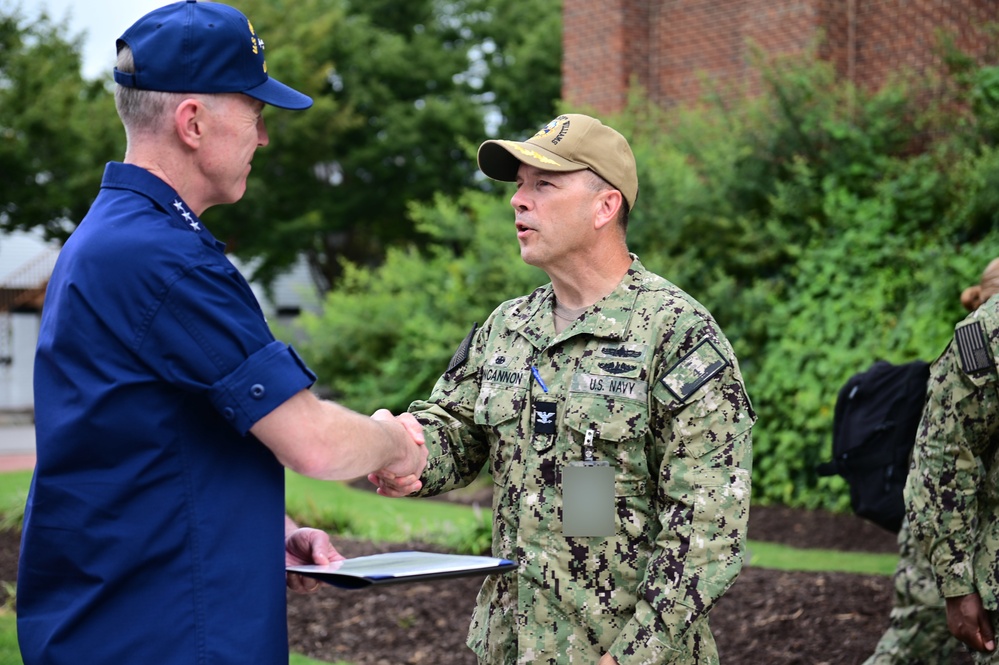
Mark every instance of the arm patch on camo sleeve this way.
pixel 694 370
pixel 461 355
pixel 972 347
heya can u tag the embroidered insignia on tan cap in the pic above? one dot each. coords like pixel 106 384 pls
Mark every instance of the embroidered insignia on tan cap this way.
pixel 570 142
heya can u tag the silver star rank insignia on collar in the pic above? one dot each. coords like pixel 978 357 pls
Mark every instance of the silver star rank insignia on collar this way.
pixel 186 214
pixel 191 221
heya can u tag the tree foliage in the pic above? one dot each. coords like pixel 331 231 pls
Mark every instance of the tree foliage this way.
pixel 397 106
pixel 518 47
pixel 825 227
pixel 56 129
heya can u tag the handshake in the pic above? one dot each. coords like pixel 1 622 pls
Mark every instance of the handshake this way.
pixel 402 477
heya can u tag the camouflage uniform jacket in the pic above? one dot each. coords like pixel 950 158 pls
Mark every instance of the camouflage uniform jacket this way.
pixel 648 370
pixel 952 492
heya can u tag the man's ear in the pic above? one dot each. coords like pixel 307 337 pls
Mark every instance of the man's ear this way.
pixel 608 202
pixel 189 122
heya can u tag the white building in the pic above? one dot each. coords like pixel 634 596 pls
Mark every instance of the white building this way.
pixel 25 265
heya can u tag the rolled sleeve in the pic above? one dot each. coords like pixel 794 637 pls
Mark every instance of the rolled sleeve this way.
pixel 260 384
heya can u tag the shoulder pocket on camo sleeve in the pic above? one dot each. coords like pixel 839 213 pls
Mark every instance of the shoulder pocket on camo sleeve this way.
pixel 705 401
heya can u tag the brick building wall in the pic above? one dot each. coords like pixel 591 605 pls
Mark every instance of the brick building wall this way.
pixel 676 49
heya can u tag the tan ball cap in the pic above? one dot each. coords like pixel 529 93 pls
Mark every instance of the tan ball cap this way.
pixel 570 142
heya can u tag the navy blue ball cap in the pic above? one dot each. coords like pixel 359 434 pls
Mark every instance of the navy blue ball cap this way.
pixel 202 47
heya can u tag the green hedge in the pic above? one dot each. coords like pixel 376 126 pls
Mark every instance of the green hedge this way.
pixel 825 227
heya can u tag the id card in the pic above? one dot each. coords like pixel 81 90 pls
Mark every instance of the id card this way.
pixel 588 499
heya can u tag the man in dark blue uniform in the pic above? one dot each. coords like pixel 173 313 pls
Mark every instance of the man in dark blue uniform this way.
pixel 165 410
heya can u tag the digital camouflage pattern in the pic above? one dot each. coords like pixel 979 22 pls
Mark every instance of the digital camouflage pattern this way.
pixel 952 493
pixel 649 372
pixel 917 631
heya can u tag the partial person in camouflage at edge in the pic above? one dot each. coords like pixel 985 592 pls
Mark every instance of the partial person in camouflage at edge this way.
pixel 952 493
pixel 917 630
pixel 917 627
pixel 612 413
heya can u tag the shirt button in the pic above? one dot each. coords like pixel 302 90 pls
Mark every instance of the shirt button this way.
pixel 257 391
pixel 228 413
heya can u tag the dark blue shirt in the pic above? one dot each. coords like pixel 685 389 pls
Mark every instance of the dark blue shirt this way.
pixel 154 527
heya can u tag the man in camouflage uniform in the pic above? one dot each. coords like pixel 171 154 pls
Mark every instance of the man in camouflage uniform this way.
pixel 613 416
pixel 952 493
pixel 917 630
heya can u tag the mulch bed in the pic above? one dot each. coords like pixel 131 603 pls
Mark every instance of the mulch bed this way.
pixel 767 617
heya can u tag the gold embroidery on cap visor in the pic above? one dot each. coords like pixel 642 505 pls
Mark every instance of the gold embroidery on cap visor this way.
pixel 534 154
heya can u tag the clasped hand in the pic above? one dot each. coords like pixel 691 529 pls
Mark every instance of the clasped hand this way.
pixel 402 478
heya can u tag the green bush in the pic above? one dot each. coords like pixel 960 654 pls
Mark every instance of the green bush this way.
pixel 825 227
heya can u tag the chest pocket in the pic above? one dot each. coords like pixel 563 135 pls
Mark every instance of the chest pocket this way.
pixel 502 400
pixel 498 406
pixel 615 407
pixel 502 395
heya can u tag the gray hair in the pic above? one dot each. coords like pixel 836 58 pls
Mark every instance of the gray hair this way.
pixel 141 111
pixel 596 183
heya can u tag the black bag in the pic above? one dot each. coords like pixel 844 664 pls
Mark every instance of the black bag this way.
pixel 874 428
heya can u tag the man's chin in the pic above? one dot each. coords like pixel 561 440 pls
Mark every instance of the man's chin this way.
pixel 528 257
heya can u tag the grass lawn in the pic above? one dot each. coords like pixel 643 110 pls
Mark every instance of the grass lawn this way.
pixel 365 515
pixel 780 557
pixel 9 653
